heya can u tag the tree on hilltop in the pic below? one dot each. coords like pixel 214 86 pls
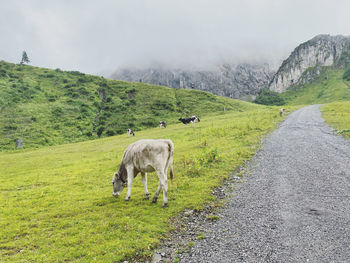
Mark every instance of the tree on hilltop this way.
pixel 25 58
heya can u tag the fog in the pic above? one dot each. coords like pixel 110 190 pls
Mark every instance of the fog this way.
pixel 101 36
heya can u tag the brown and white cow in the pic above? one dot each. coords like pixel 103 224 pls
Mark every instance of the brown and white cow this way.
pixel 142 157
pixel 282 111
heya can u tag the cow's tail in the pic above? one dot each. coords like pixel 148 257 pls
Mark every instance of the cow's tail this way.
pixel 170 159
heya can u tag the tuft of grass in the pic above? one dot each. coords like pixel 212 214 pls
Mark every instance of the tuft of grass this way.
pixel 212 217
pixel 57 204
pixel 200 236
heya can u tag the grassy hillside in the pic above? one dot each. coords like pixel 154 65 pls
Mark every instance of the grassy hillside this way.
pixel 337 115
pixel 56 202
pixel 49 107
pixel 329 86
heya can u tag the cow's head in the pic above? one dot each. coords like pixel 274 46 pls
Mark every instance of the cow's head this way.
pixel 118 184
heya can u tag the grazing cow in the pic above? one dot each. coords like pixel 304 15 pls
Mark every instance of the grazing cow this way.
pixel 162 124
pixel 191 120
pixel 130 132
pixel 282 111
pixel 145 156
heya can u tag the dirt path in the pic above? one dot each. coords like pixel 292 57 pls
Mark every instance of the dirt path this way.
pixel 294 205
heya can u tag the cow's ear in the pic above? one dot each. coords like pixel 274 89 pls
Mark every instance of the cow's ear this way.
pixel 116 174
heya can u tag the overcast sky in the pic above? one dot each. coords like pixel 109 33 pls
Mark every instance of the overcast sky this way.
pixel 98 36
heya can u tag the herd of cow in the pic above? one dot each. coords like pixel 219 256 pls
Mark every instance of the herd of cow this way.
pixel 146 156
pixel 185 121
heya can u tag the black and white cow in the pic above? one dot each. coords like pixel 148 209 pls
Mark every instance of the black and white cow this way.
pixel 162 124
pixel 130 132
pixel 191 120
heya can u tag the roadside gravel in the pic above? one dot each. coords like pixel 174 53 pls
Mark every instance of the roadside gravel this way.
pixel 294 203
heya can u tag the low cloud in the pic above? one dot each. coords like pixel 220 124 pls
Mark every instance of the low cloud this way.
pixel 94 36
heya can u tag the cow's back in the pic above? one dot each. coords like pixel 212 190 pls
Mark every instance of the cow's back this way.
pixel 148 152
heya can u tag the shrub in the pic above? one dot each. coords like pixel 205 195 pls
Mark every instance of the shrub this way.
pixel 100 130
pixel 268 97
pixel 110 132
pixel 346 75
pixel 57 111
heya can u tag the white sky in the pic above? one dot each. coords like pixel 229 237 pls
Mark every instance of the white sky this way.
pixel 102 35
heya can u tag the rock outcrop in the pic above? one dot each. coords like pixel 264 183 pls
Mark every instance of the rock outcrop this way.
pixel 322 50
pixel 235 81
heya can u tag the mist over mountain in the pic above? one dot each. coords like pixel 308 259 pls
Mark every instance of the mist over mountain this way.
pixel 241 81
pixel 245 80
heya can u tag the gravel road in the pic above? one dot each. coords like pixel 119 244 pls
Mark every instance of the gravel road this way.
pixel 294 204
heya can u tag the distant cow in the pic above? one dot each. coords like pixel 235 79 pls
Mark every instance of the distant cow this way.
pixel 130 132
pixel 191 120
pixel 282 111
pixel 162 124
pixel 145 156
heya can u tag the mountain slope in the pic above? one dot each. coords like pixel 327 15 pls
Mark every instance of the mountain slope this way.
pixel 48 107
pixel 322 50
pixel 234 81
pixel 327 87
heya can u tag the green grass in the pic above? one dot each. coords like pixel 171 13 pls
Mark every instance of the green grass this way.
pixel 51 107
pixel 337 115
pixel 56 202
pixel 321 90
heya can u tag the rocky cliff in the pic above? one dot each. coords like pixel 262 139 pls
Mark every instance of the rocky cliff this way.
pixel 306 61
pixel 235 81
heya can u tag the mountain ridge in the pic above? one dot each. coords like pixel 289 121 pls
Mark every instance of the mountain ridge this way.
pixel 239 81
pixel 321 50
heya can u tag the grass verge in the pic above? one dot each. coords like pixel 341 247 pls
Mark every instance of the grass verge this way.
pixel 337 115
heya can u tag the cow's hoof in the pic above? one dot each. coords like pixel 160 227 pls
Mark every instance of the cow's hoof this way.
pixel 127 198
pixel 154 200
pixel 165 205
pixel 146 197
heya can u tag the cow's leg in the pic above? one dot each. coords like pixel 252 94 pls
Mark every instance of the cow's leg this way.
pixel 163 183
pixel 144 182
pixel 156 194
pixel 130 172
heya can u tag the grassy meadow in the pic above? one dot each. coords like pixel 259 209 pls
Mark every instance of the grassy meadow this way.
pixel 46 107
pixel 57 204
